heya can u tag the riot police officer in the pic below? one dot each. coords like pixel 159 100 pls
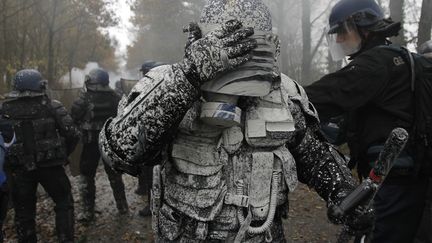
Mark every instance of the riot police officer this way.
pixel 374 91
pixel 45 136
pixel 231 140
pixel 424 233
pixel 97 103
pixel 7 138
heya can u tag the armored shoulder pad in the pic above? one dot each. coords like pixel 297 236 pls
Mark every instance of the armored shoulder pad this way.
pixel 156 74
pixel 147 85
pixel 294 91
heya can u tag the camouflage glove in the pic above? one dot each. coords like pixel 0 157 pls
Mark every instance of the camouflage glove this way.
pixel 358 221
pixel 218 51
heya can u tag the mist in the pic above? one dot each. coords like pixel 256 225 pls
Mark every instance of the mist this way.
pixel 121 36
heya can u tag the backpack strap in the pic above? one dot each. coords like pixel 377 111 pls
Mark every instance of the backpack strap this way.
pixel 412 66
pixel 408 55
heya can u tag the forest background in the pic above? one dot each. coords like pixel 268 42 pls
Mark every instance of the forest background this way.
pixel 62 37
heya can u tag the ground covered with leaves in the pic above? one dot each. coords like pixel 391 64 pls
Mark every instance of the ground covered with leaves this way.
pixel 307 220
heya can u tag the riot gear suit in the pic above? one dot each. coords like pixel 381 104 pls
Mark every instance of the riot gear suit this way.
pixel 89 112
pixel 224 177
pixel 45 135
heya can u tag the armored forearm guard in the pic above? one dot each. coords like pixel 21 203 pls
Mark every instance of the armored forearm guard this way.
pixel 319 165
pixel 152 110
pixel 322 167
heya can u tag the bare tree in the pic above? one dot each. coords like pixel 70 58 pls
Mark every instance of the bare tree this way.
pixel 160 24
pixel 397 14
pixel 307 39
pixel 425 23
pixel 49 35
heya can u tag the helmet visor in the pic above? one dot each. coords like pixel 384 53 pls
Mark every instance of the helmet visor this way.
pixel 343 40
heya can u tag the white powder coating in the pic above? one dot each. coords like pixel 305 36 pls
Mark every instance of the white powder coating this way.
pixel 252 13
pixel 192 187
pixel 199 179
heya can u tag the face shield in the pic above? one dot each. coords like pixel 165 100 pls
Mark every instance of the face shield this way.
pixel 343 39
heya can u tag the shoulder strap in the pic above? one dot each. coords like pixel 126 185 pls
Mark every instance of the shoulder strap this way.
pixel 408 55
pixel 412 66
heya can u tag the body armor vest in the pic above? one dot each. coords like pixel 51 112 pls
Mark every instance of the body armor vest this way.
pixel 224 177
pixel 38 143
pixel 102 105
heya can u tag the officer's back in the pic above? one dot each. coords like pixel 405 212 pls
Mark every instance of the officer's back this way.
pixel 45 135
pixel 95 105
pixel 44 131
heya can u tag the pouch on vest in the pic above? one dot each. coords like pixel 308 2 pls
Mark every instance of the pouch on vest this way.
pixel 270 123
pixel 193 181
pixel 260 183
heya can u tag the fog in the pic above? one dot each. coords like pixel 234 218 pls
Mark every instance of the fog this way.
pixel 121 35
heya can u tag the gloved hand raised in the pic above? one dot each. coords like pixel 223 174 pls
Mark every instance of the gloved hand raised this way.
pixel 218 51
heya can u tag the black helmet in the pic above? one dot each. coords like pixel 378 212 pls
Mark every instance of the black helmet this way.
pixel 97 76
pixel 29 80
pixel 425 47
pixel 148 65
pixel 366 14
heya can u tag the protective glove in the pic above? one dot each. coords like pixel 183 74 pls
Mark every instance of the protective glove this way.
pixel 220 50
pixel 358 221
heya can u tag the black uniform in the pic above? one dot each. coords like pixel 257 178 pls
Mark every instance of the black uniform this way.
pixel 374 90
pixel 90 111
pixel 45 135
pixel 6 139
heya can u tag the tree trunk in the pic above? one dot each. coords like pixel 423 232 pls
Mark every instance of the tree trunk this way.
pixel 397 14
pixel 51 34
pixel 425 23
pixel 284 44
pixel 306 32
pixel 50 76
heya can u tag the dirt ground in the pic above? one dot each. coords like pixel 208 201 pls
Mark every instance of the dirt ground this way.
pixel 307 220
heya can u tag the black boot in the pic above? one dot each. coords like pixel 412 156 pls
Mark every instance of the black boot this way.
pixel 65 225
pixel 145 212
pixel 122 207
pixel 88 191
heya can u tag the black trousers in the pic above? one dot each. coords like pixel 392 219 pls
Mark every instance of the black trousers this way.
pixel 89 161
pixel 4 203
pixel 145 180
pixel 424 234
pixel 23 190
pixel 399 207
